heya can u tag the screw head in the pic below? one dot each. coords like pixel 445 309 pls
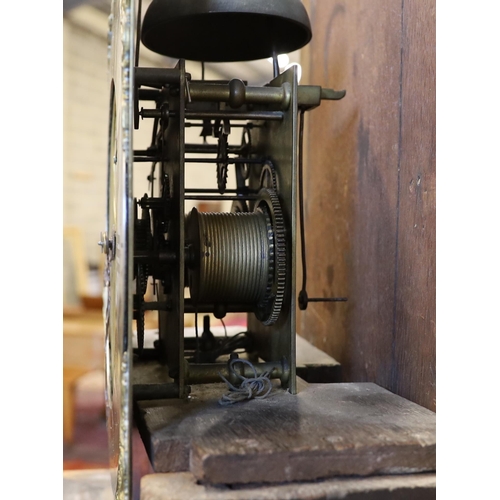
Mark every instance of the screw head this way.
pixel 104 242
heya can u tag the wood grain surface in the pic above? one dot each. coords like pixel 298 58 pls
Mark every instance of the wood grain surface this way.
pixel 414 355
pixel 370 192
pixel 326 430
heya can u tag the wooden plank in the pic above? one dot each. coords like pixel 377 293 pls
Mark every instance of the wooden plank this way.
pixel 182 485
pixel 370 192
pixel 315 366
pixel 326 430
pixel 414 368
pixel 351 175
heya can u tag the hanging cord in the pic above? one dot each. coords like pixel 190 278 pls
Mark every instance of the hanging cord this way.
pixel 256 387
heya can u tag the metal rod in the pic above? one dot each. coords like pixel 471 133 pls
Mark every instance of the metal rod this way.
pixel 146 152
pixel 204 373
pixel 301 202
pixel 229 161
pixel 303 298
pixel 189 307
pixel 138 33
pixel 159 256
pixel 157 77
pixel 190 342
pixel 144 159
pixel 227 190
pixel 327 299
pixel 148 94
pixel 233 125
pixel 258 161
pixel 236 94
pixel 210 148
pixel 202 197
pixel 155 113
pixel 145 392
pixel 234 115
pixel 157 306
pixel 207 115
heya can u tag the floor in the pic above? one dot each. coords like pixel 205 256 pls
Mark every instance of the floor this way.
pixel 89 449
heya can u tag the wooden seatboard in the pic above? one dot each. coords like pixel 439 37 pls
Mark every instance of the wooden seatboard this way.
pixel 326 430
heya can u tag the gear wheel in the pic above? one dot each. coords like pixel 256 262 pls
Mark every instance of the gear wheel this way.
pixel 246 150
pixel 142 242
pixel 222 131
pixel 239 206
pixel 268 176
pixel 141 286
pixel 269 309
pixel 222 163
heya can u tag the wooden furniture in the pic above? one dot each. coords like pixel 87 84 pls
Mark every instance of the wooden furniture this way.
pixel 370 187
pixel 83 329
pixel 83 352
